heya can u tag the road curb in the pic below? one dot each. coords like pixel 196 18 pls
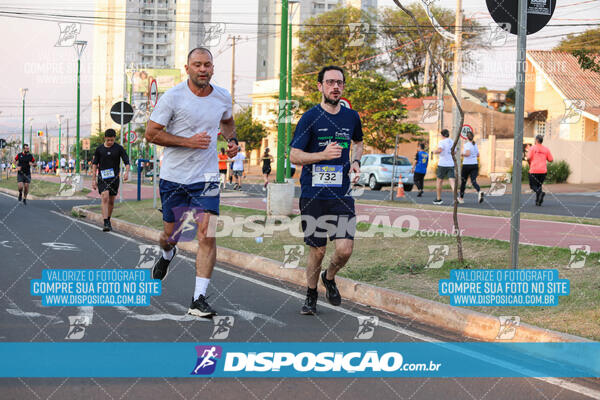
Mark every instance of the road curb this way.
pixel 465 322
pixel 32 197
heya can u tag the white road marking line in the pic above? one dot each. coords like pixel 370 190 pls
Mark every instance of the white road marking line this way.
pixel 19 313
pixel 159 317
pixel 244 314
pixel 595 394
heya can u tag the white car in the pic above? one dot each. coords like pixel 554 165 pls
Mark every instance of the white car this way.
pixel 376 171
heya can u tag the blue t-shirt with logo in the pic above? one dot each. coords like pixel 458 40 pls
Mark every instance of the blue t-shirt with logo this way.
pixel 422 160
pixel 315 130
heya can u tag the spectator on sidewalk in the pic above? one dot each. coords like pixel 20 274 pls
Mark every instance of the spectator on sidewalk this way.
pixel 538 156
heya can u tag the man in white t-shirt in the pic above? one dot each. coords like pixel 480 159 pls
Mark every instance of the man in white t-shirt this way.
pixel 238 167
pixel 186 122
pixel 445 165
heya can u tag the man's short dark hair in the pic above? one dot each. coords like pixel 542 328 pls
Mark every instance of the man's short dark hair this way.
pixel 25 145
pixel 234 140
pixel 110 133
pixel 330 68
pixel 202 49
pixel 540 138
pixel 422 146
pixel 445 133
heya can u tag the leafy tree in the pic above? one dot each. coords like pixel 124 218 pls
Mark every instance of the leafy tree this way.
pixel 585 47
pixel 406 54
pixel 588 40
pixel 376 99
pixel 510 96
pixel 331 38
pixel 248 130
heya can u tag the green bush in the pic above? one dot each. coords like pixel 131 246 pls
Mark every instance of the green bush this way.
pixel 558 172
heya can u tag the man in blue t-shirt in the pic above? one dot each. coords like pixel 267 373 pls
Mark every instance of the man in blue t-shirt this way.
pixel 420 168
pixel 321 144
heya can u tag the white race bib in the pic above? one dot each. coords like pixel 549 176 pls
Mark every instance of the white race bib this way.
pixel 107 173
pixel 327 175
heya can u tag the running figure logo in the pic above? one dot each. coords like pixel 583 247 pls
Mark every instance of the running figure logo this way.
pixel 573 110
pixel 68 184
pixel 148 256
pixel 431 109
pixel 77 325
pixel 357 33
pixel 222 326
pixel 212 33
pixel 292 255
pixel 366 327
pixel 68 33
pixel 185 227
pixel 207 359
pixel 437 255
pixel 499 181
pixel 579 253
pixel 498 33
pixel 508 327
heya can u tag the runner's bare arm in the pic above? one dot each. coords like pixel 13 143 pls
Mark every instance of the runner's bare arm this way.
pixel 357 150
pixel 155 133
pixel 331 152
pixel 228 128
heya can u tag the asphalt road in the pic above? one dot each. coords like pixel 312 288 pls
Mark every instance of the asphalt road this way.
pixel 571 205
pixel 265 310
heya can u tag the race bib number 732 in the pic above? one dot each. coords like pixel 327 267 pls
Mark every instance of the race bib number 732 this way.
pixel 327 175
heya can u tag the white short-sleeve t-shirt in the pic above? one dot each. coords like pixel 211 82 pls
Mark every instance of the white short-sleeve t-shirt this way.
pixel 471 159
pixel 185 114
pixel 445 155
pixel 238 161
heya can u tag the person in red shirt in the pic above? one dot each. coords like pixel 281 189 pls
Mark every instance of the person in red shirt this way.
pixel 223 166
pixel 537 157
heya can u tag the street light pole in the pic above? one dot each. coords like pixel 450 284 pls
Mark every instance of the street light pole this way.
pixel 31 134
pixel 59 118
pixel 79 46
pixel 23 93
pixel 282 110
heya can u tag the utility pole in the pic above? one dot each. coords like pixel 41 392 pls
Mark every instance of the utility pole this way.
pixel 440 90
pixel 99 117
pixel 232 70
pixel 457 82
pixel 47 139
pixel 426 70
pixel 68 152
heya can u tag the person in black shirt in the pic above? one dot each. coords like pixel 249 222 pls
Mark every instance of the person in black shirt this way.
pixel 106 160
pixel 24 162
pixel 266 167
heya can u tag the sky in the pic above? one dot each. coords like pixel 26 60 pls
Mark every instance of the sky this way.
pixel 50 72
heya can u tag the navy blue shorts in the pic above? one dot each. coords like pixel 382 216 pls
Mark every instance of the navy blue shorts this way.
pixel 202 196
pixel 322 218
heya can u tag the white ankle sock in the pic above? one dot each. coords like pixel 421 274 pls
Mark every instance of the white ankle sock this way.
pixel 201 285
pixel 167 255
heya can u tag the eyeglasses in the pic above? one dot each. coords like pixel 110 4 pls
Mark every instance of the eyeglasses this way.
pixel 331 82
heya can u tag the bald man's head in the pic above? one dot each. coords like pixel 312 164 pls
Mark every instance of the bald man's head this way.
pixel 201 50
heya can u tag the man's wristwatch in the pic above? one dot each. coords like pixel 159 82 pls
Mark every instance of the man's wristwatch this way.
pixel 357 161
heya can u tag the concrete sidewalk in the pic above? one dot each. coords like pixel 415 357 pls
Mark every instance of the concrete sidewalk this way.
pixel 533 232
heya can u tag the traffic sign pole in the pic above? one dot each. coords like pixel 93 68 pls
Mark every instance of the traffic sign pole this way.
pixel 515 213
